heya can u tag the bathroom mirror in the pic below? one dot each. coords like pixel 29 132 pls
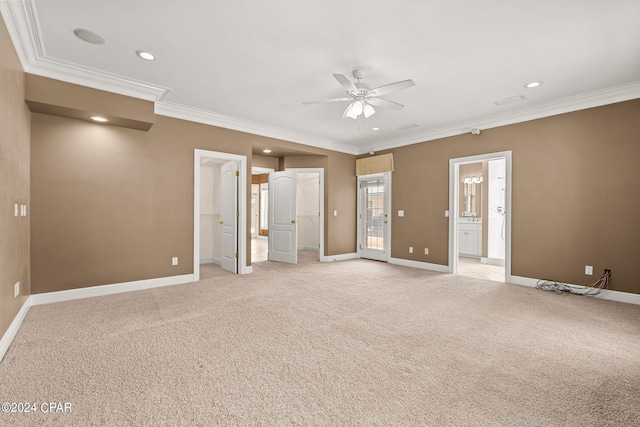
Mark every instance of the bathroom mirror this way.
pixel 472 197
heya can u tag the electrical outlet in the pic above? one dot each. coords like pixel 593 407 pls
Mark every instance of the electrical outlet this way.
pixel 426 251
pixel 16 290
pixel 588 270
pixel 410 249
pixel 607 271
pixel 174 260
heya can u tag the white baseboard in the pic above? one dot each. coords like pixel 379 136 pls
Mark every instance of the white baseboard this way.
pixel 8 336
pixel 418 264
pixel 607 294
pixel 95 291
pixel 341 257
pixel 246 269
pixel 308 248
pixel 492 261
pixel 210 261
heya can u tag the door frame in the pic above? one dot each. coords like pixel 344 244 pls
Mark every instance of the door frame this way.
pixel 320 171
pixel 198 155
pixel 454 206
pixel 387 203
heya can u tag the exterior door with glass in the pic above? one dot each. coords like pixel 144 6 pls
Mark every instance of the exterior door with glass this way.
pixel 374 206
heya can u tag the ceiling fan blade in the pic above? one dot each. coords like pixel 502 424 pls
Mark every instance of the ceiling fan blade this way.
pixel 327 100
pixel 385 103
pixel 392 87
pixel 346 83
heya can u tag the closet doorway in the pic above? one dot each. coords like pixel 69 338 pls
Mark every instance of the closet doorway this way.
pixel 219 231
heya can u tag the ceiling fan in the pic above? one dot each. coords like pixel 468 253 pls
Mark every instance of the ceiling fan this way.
pixel 363 98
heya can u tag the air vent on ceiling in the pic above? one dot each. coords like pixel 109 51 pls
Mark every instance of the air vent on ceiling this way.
pixel 405 127
pixel 510 100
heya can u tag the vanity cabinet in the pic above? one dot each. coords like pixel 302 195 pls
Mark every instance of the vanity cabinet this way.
pixel 470 239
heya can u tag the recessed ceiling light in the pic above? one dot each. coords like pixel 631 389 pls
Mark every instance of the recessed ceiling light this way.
pixel 376 128
pixel 88 36
pixel 533 84
pixel 99 119
pixel 147 56
pixel 266 150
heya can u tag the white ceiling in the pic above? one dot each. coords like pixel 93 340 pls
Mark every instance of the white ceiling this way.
pixel 249 65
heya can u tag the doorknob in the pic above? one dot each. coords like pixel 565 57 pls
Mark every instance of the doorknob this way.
pixel 385 221
pixel 220 222
pixel 293 221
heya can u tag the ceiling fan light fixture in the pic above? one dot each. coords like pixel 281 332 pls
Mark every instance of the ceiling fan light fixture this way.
pixel 368 111
pixel 348 112
pixel 357 108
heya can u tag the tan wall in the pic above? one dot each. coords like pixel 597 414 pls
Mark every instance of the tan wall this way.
pixel 574 198
pixel 113 204
pixel 14 182
pixel 264 162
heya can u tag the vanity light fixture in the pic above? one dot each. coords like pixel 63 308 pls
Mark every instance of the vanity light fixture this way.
pixel 473 180
pixel 266 150
pixel 533 84
pixel 99 119
pixel 147 56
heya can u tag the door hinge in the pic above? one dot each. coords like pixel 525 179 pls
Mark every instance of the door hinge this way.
pixel 237 255
pixel 237 173
pixel 237 214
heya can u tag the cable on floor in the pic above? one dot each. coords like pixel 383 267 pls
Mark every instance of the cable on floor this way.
pixel 562 288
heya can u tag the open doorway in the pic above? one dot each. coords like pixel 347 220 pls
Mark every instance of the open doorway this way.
pixel 259 213
pixel 480 200
pixel 219 230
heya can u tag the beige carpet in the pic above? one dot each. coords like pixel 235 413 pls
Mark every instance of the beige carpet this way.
pixel 348 343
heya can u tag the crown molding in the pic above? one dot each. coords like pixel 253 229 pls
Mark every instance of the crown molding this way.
pixel 184 112
pixel 568 104
pixel 22 23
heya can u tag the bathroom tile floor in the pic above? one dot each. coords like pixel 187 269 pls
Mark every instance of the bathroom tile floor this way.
pixel 472 267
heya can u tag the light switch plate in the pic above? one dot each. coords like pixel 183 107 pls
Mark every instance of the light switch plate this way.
pixel 400 213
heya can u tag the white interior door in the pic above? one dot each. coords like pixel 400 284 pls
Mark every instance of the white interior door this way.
pixel 374 206
pixel 229 216
pixel 282 215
